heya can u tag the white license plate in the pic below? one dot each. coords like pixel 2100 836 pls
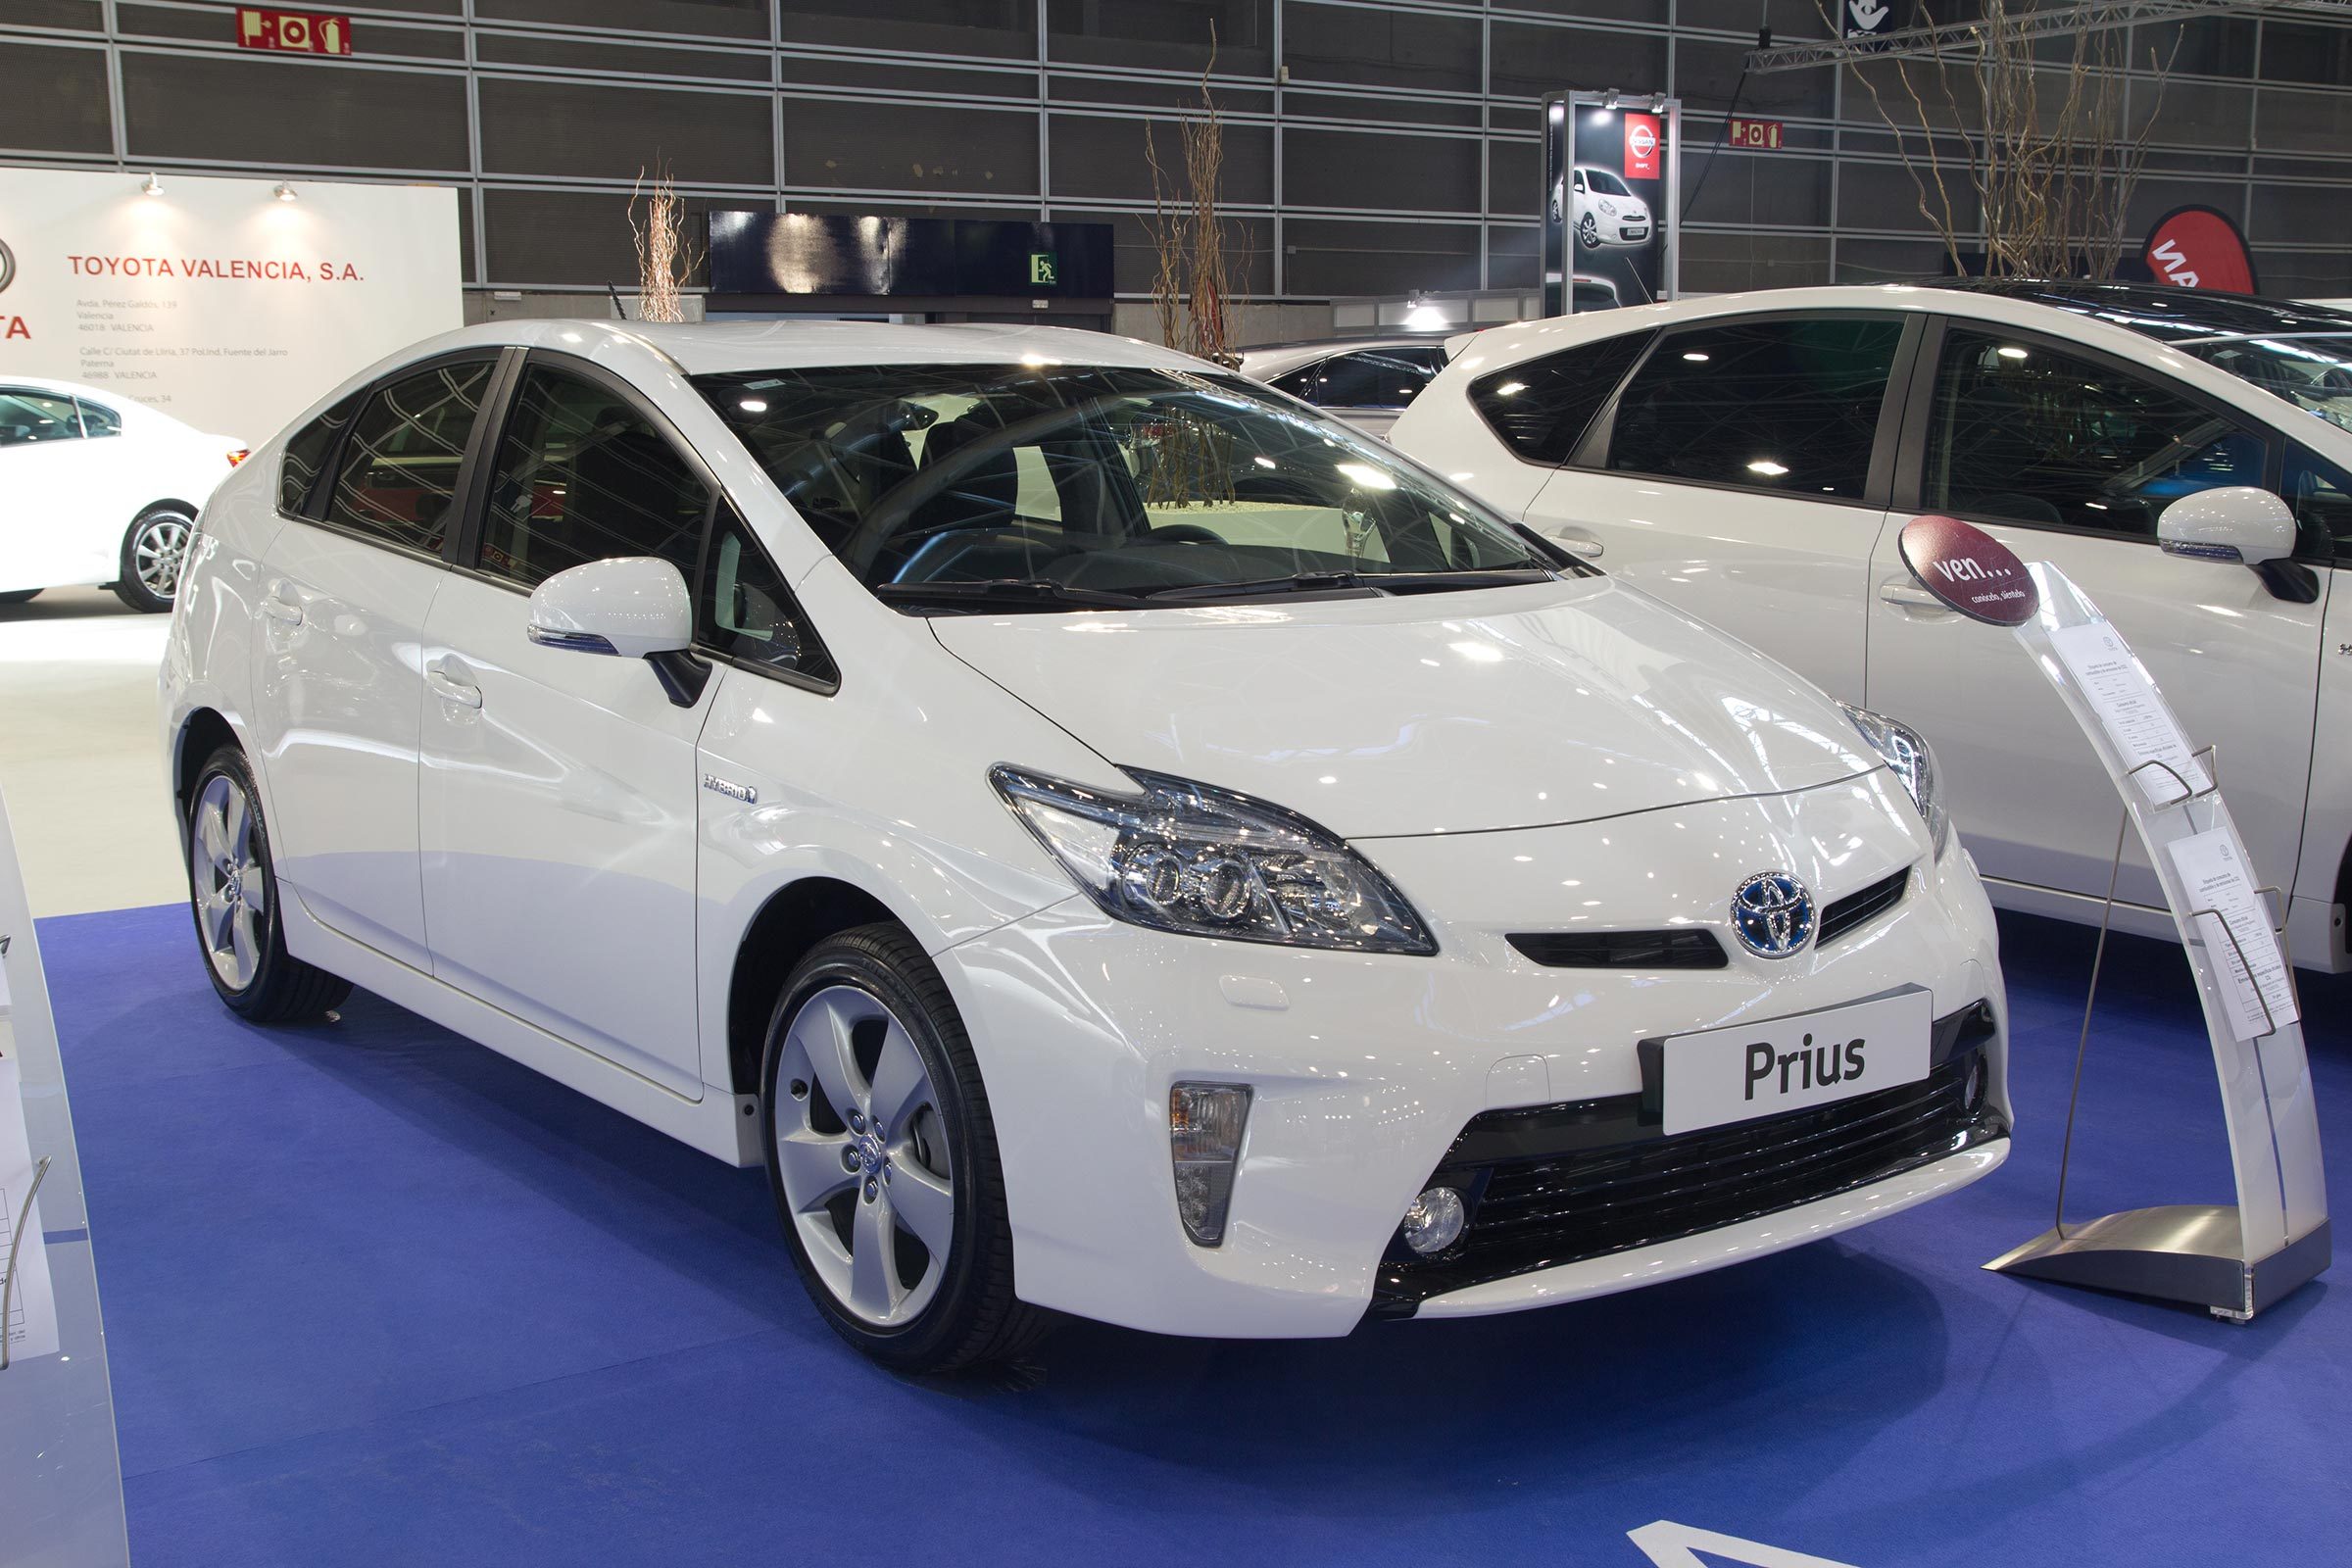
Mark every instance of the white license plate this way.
pixel 1738 1073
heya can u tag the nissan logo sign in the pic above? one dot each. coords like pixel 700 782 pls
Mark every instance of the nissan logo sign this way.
pixel 8 265
pixel 1645 140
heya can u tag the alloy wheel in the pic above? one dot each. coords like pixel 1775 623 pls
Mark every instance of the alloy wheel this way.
pixel 160 549
pixel 230 889
pixel 862 1157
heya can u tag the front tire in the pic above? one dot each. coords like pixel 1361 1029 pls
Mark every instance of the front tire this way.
pixel 154 550
pixel 882 1159
pixel 233 892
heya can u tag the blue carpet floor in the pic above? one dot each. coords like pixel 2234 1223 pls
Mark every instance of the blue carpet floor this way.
pixel 374 1294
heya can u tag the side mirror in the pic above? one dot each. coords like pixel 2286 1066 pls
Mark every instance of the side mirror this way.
pixel 2235 522
pixel 632 606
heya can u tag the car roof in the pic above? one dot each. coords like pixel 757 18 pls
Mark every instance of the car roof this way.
pixel 710 348
pixel 2082 320
pixel 2161 310
pixel 72 389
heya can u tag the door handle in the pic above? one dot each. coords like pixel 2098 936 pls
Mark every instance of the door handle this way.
pixel 1916 601
pixel 450 687
pixel 280 609
pixel 1576 542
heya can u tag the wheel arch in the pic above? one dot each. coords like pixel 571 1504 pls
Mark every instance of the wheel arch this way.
pixel 204 731
pixel 795 919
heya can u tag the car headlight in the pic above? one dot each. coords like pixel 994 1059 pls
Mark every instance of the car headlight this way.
pixel 1907 755
pixel 1192 858
pixel 1608 207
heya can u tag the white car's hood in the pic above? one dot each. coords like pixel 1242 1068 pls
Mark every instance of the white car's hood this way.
pixel 1501 708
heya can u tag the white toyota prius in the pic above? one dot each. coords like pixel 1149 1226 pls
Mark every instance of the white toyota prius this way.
pixel 1106 837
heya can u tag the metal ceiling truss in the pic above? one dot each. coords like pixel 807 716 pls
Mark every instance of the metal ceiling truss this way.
pixel 1962 38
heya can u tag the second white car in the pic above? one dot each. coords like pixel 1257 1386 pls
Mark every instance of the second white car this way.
pixel 96 488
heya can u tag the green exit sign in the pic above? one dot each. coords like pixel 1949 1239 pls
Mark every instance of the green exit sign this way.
pixel 1041 267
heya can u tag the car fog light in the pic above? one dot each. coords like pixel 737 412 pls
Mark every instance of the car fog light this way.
pixel 1972 1086
pixel 1434 1222
pixel 1204 1143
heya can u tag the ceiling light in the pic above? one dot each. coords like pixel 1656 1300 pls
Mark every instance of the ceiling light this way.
pixel 751 405
pixel 1608 100
pixel 153 187
pixel 1509 387
pixel 1657 102
pixel 1365 477
pixel 2012 354
pixel 1695 358
pixel 285 192
pixel 1767 467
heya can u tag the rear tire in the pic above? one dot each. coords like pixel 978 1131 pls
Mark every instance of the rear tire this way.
pixel 235 895
pixel 909 1160
pixel 155 549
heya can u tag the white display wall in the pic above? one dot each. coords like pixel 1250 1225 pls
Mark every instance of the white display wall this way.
pixel 214 300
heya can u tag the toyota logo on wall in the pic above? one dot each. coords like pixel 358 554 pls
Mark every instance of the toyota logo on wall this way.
pixel 8 265
pixel 1772 913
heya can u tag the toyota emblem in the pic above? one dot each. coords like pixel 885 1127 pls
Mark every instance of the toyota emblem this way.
pixel 1772 913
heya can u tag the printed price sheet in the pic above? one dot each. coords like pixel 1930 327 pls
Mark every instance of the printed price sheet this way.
pixel 2134 718
pixel 2213 871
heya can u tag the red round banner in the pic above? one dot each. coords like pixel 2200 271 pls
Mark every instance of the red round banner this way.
pixel 2197 247
pixel 1969 571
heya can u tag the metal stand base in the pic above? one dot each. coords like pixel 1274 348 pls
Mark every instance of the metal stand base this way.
pixel 2189 1252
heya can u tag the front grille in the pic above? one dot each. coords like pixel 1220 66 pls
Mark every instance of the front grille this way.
pixel 1558 1184
pixel 1857 909
pixel 1690 948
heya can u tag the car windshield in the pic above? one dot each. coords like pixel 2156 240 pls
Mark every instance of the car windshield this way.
pixel 2312 371
pixel 1058 485
pixel 1607 183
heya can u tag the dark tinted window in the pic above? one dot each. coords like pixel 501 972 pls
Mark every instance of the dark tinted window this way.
pixel 583 476
pixel 746 611
pixel 29 416
pixel 399 476
pixel 1299 383
pixel 2027 433
pixel 1376 378
pixel 309 450
pixel 1112 480
pixel 2322 495
pixel 1542 408
pixel 97 419
pixel 1789 406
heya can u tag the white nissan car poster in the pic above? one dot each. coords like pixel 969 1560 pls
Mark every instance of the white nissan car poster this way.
pixel 221 301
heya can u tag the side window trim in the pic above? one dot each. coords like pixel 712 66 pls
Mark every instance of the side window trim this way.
pixel 1879 483
pixel 481 455
pixel 1910 493
pixel 313 502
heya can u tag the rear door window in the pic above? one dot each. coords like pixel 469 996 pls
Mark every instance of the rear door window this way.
pixel 398 480
pixel 1377 379
pixel 1790 406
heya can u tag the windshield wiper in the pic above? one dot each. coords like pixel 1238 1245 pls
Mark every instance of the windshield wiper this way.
pixel 1361 582
pixel 1034 591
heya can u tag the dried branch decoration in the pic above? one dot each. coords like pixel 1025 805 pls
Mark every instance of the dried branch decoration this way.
pixel 1191 283
pixel 2052 177
pixel 665 261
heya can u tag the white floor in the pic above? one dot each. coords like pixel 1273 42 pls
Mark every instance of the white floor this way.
pixel 81 755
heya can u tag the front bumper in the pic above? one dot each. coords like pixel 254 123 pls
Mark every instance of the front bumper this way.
pixel 1369 1071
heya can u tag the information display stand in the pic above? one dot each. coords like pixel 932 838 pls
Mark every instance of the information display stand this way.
pixel 60 1478
pixel 2234 1259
